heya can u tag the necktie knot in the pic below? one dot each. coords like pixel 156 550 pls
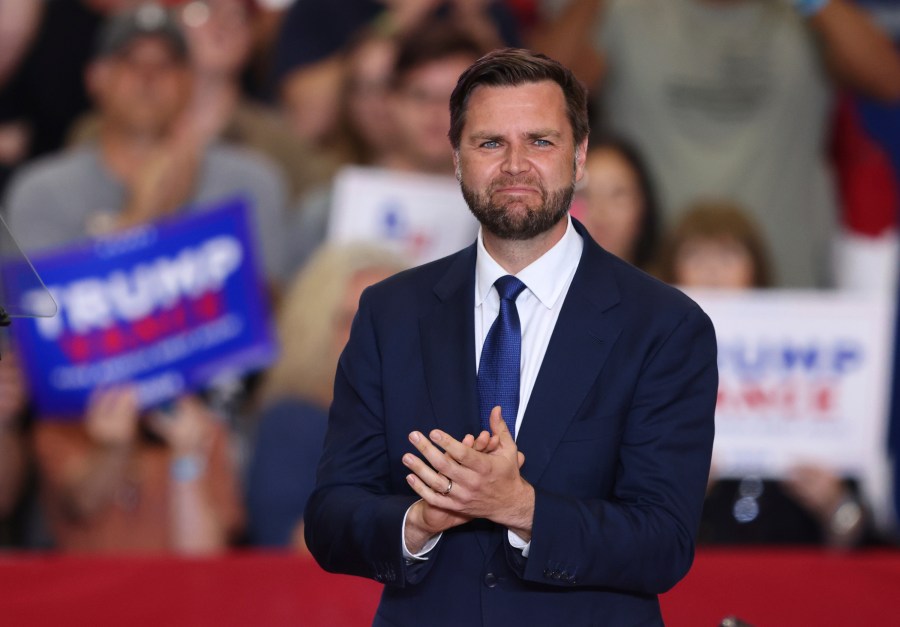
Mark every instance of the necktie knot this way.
pixel 509 287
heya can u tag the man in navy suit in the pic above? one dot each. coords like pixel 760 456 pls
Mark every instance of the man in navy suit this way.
pixel 582 503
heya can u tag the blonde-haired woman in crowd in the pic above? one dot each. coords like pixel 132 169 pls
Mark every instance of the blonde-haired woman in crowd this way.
pixel 313 326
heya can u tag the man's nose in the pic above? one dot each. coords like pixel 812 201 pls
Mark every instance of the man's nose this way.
pixel 515 160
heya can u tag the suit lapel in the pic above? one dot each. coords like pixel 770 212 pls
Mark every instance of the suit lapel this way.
pixel 447 333
pixel 578 348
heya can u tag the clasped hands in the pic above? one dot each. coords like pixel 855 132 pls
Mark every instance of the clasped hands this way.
pixel 486 483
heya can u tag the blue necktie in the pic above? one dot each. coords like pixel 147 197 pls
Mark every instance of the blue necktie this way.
pixel 498 370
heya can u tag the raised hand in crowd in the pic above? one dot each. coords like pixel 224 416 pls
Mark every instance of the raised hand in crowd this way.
pixel 469 14
pixel 219 39
pixel 166 179
pixel 190 430
pixel 111 427
pixel 826 496
pixel 857 51
pixel 406 13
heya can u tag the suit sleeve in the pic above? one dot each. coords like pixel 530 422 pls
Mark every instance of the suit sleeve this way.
pixel 642 538
pixel 354 517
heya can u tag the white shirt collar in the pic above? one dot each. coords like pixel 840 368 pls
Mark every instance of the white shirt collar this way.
pixel 541 277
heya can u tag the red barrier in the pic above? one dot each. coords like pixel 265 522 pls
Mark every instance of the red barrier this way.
pixel 765 588
pixel 240 590
pixel 769 588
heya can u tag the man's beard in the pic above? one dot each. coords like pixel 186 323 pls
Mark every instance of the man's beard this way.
pixel 528 223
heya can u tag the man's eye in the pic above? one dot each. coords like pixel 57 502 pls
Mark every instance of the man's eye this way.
pixel 542 142
pixel 490 144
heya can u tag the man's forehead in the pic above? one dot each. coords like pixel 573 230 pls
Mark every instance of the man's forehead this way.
pixel 527 104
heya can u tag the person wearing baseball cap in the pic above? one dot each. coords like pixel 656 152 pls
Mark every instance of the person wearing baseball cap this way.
pixel 145 20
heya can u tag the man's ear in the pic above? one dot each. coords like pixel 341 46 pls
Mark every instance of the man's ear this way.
pixel 580 158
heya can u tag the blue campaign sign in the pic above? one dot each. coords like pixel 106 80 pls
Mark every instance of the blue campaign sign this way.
pixel 168 306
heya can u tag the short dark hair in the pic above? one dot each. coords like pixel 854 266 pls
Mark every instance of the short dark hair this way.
pixel 511 67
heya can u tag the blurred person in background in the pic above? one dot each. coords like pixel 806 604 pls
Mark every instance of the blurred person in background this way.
pixel 313 327
pixel 717 245
pixel 428 62
pixel 733 99
pixel 219 36
pixel 122 481
pixel 366 117
pixel 308 65
pixel 616 202
pixel 150 160
pixel 44 89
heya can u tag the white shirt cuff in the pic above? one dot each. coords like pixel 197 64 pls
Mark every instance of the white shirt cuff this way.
pixel 518 543
pixel 422 555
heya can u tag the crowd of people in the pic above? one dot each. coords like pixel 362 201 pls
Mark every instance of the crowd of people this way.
pixel 725 152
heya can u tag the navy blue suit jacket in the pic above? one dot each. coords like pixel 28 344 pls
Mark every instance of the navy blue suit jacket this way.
pixel 617 438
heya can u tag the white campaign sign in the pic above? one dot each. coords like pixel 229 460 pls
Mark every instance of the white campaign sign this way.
pixel 803 378
pixel 422 217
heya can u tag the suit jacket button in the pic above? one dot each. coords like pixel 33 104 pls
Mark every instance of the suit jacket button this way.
pixel 490 580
